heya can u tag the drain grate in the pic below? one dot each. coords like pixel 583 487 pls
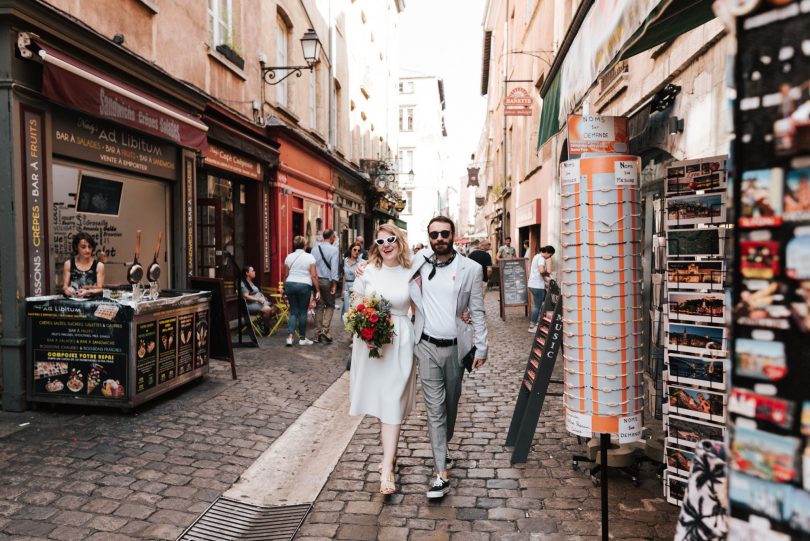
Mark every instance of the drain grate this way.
pixel 232 520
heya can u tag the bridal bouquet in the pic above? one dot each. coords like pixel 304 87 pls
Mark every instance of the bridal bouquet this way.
pixel 371 321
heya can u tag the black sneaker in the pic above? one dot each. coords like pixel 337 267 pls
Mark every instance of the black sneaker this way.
pixel 448 461
pixel 438 489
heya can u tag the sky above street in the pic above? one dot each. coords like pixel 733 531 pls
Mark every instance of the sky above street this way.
pixel 444 38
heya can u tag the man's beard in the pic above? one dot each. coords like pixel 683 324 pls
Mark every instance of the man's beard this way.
pixel 441 247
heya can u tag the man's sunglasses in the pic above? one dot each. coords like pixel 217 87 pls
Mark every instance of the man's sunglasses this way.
pixel 390 240
pixel 435 234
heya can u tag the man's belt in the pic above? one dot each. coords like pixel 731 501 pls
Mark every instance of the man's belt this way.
pixel 441 342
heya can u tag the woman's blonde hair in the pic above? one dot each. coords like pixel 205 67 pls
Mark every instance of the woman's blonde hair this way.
pixel 374 256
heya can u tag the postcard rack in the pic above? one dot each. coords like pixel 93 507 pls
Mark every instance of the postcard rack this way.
pixel 769 402
pixel 537 376
pixel 695 310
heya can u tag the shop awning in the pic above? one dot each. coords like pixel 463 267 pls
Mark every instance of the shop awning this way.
pixel 73 84
pixel 401 224
pixel 608 34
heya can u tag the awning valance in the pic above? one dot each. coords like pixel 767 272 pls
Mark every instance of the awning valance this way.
pixel 78 86
pixel 612 31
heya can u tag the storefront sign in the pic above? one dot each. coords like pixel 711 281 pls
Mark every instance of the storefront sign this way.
pixel 167 360
pixel 79 348
pixel 518 103
pixel 35 204
pixel 266 229
pixel 528 214
pixel 188 178
pixel 87 138
pixel 594 133
pixel 221 158
pixel 146 356
pixel 472 176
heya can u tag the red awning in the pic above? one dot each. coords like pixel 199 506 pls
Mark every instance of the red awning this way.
pixel 76 85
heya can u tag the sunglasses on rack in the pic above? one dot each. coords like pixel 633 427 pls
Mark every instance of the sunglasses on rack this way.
pixel 435 234
pixel 389 240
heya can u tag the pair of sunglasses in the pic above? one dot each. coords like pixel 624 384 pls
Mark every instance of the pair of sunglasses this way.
pixel 435 234
pixel 390 240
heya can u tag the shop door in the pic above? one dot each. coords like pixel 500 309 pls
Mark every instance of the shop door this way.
pixel 209 235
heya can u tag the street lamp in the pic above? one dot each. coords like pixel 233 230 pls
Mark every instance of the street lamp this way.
pixel 311 46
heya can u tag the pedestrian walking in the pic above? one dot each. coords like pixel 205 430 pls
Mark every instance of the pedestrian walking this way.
pixel 507 251
pixel 482 256
pixel 326 264
pixel 299 283
pixel 350 263
pixel 446 285
pixel 385 387
pixel 362 243
pixel 538 277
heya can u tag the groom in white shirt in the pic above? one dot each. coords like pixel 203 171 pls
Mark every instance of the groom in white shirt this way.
pixel 450 284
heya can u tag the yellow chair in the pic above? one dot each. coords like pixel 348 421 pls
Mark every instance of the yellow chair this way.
pixel 278 299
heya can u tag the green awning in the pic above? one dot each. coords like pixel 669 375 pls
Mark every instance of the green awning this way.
pixel 668 20
pixel 400 224
pixel 549 116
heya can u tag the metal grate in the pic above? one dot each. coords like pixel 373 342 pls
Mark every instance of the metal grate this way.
pixel 232 520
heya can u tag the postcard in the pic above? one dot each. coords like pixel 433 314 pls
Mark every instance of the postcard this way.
pixel 694 242
pixel 674 488
pixel 797 510
pixel 762 305
pixel 707 405
pixel 741 530
pixel 759 259
pixel 696 209
pixel 764 455
pixel 696 371
pixel 797 195
pixel 704 340
pixel 764 408
pixel 758 496
pixel 695 275
pixel 679 461
pixel 797 258
pixel 761 198
pixel 693 175
pixel 760 359
pixel 701 307
pixel 687 432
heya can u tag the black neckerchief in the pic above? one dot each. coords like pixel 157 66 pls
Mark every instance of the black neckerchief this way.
pixel 438 264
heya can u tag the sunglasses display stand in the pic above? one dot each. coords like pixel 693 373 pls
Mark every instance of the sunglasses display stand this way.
pixel 694 314
pixel 769 403
pixel 601 288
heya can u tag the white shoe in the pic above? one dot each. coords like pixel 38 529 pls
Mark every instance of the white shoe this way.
pixel 289 342
pixel 305 342
pixel 533 328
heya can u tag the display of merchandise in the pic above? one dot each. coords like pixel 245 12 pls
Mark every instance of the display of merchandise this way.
pixel 696 311
pixel 770 369
pixel 601 280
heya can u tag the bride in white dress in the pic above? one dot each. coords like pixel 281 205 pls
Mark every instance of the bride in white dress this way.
pixel 385 388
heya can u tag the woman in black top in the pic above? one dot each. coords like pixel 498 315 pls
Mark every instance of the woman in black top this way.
pixel 83 274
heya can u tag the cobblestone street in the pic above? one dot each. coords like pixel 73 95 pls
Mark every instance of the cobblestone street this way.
pixel 95 474
pixel 490 499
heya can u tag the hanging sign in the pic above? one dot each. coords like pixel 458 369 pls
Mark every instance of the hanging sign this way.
pixel 518 103
pixel 595 133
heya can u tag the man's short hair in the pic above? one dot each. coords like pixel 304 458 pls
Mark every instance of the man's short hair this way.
pixel 508 238
pixel 327 234
pixel 548 249
pixel 443 220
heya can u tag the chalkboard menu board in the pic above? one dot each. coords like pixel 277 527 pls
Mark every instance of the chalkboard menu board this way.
pixel 514 291
pixel 220 329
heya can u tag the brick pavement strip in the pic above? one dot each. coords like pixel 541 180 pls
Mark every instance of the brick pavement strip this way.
pixel 491 499
pixel 97 474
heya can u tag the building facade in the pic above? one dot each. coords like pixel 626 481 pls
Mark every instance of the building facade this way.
pixel 130 128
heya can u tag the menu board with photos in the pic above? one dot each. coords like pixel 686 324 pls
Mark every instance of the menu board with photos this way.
pixel 513 283
pixel 769 402
pixel 696 308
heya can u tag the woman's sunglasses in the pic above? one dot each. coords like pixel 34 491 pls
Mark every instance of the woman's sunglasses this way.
pixel 390 240
pixel 435 234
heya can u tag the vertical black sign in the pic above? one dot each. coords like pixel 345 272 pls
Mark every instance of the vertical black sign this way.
pixel 513 282
pixel 201 339
pixel 167 359
pixel 185 346
pixel 35 203
pixel 146 356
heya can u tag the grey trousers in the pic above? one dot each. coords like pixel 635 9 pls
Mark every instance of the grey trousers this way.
pixel 324 308
pixel 441 375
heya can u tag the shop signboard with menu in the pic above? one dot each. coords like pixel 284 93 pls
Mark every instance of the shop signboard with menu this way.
pixel 109 353
pixel 514 291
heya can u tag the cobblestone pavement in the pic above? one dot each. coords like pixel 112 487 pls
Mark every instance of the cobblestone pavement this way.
pixel 93 474
pixel 490 499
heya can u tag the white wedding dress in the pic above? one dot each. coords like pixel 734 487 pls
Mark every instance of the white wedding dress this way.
pixel 386 387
